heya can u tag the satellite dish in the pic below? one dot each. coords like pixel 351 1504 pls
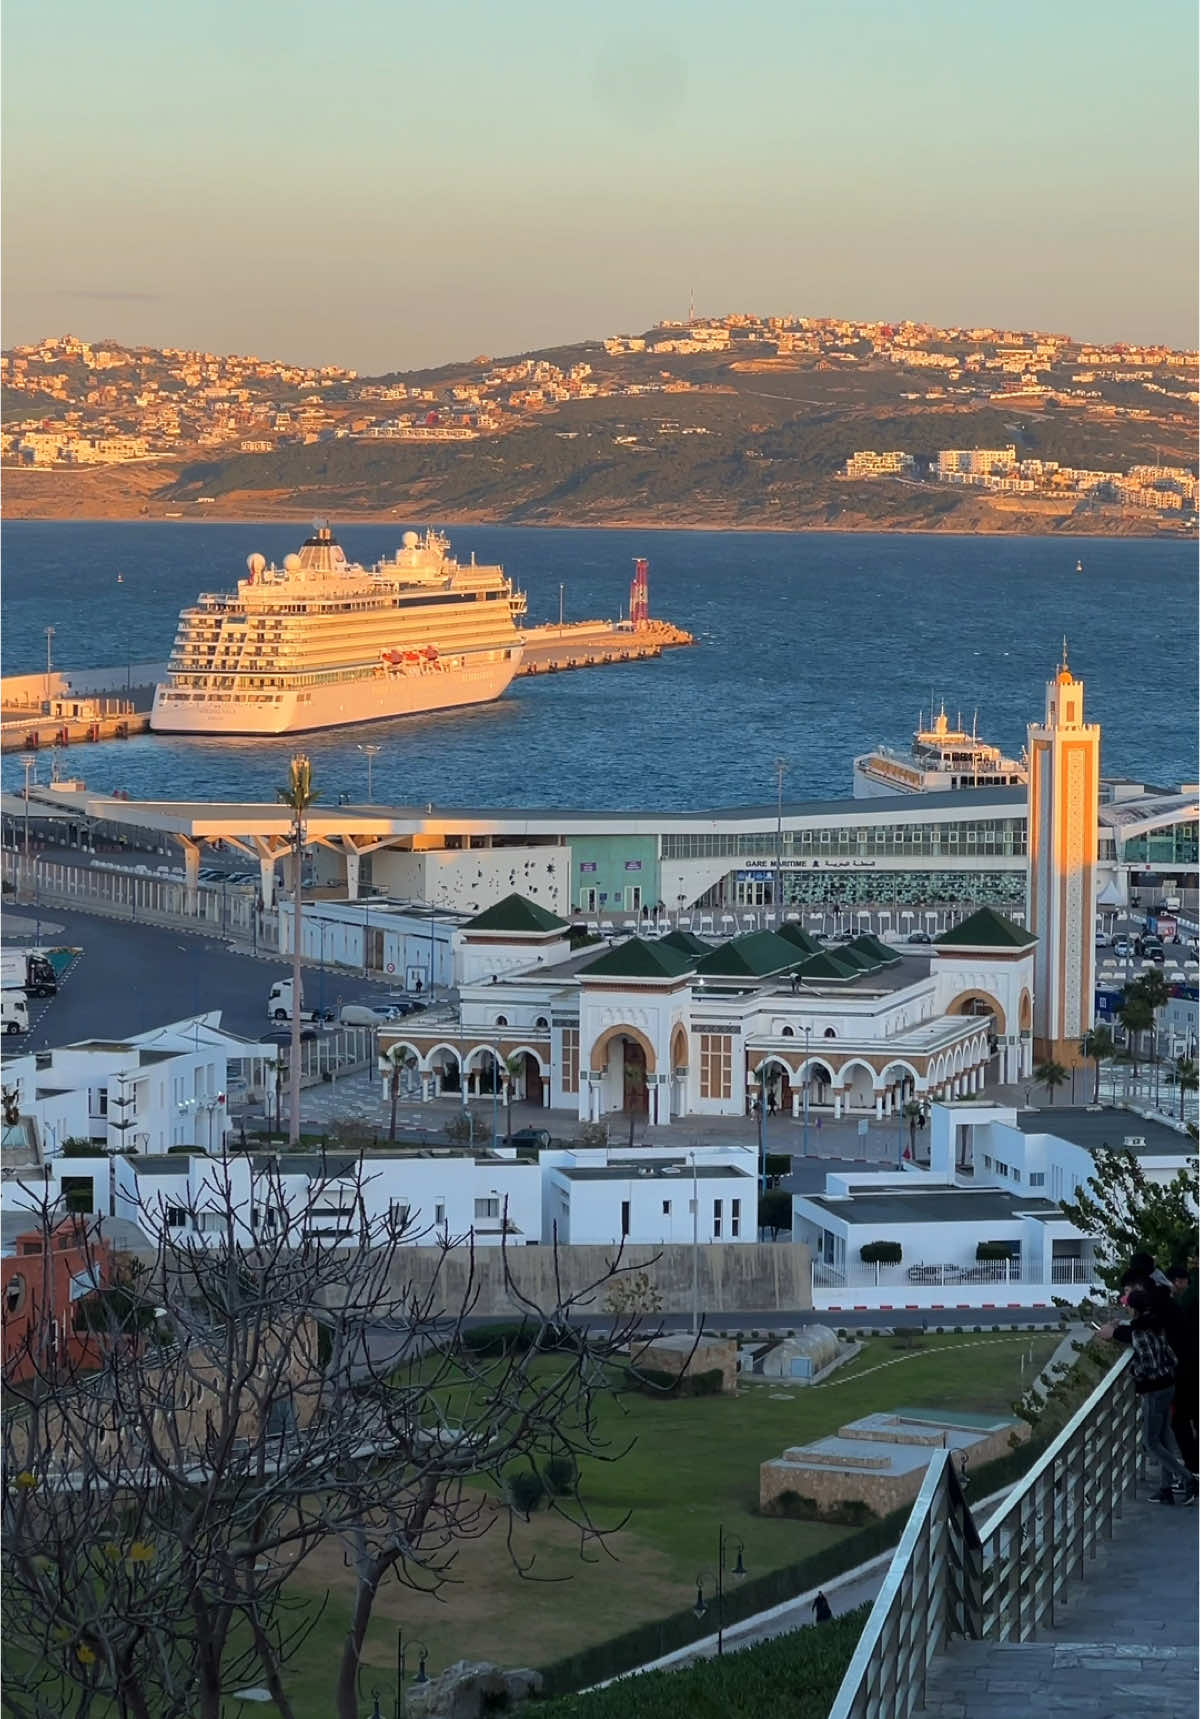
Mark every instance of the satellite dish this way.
pixel 255 564
pixel 291 564
pixel 410 540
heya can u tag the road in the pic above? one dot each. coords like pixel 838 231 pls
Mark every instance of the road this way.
pixel 131 978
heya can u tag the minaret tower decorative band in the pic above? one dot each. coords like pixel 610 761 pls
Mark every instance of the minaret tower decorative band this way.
pixel 1063 815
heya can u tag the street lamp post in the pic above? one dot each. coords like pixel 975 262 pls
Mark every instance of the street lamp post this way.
pixel 28 764
pixel 724 1547
pixel 372 752
pixel 807 1081
pixel 781 765
pixel 49 664
pixel 762 1127
pixel 402 1651
pixel 695 1247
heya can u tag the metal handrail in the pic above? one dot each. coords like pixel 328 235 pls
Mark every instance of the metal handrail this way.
pixel 1002 1581
pixel 931 1591
pixel 1041 1537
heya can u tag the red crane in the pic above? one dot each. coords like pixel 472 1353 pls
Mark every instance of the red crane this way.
pixel 639 593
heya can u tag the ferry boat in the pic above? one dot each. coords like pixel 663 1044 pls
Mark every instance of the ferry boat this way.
pixel 942 759
pixel 322 641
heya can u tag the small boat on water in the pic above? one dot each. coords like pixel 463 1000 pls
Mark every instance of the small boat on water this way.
pixel 1079 567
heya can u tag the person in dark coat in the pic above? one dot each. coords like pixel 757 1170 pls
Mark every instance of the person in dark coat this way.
pixel 822 1610
pixel 1154 1368
pixel 1184 1338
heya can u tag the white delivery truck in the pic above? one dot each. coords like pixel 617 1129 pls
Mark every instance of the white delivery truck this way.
pixel 279 1004
pixel 14 1012
pixel 27 970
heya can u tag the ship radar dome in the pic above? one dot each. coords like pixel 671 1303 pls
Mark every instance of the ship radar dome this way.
pixel 255 564
pixel 291 563
pixel 410 540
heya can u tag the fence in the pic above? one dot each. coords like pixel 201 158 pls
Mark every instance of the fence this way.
pixel 1077 1271
pixel 1001 1581
pixel 226 910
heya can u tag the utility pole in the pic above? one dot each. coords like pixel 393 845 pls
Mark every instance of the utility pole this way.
pixel 695 1248
pixel 49 664
pixel 561 599
pixel 299 796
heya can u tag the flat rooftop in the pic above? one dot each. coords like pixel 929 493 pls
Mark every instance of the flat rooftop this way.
pixel 648 1172
pixel 933 1206
pixel 1093 1129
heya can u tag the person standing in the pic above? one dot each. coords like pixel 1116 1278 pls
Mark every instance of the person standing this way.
pixel 1154 1367
pixel 1184 1338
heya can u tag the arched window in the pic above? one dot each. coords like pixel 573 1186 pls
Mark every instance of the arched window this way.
pixel 541 1022
pixel 829 1033
pixel 501 1020
pixel 788 1033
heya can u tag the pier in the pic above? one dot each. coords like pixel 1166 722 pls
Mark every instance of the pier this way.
pixel 590 644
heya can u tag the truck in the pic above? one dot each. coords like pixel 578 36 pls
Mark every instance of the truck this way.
pixel 14 1012
pixel 27 970
pixel 279 1004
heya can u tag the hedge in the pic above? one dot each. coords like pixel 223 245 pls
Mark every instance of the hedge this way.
pixel 659 1636
pixel 795 1676
pixel 881 1253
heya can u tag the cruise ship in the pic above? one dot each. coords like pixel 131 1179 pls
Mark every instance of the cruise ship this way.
pixel 322 641
pixel 942 758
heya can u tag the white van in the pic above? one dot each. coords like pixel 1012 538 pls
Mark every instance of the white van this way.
pixel 14 1012
pixel 363 1015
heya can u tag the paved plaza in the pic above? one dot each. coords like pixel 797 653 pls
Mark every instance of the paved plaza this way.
pixel 1124 1647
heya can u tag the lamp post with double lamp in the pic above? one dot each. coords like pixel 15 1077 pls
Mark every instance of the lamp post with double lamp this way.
pixel 403 1649
pixel 724 1547
pixel 762 1127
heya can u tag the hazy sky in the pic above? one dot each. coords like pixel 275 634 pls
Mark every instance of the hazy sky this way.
pixel 382 184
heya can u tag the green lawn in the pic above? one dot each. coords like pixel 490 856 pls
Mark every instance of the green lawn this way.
pixel 689 1466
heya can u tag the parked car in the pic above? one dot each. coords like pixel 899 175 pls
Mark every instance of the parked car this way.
pixel 1121 946
pixel 365 1015
pixel 283 1035
pixel 539 1137
pixel 919 937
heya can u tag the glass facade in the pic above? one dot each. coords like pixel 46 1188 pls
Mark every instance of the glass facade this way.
pixel 957 839
pixel 1177 844
pixel 1000 889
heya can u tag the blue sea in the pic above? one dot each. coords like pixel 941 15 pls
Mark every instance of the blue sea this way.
pixel 809 646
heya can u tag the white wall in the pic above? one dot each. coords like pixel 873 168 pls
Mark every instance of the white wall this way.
pixel 335 933
pixel 32 1190
pixel 589 1210
pixel 470 879
pixel 475 961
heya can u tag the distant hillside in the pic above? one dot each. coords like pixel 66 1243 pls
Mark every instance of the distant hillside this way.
pixel 738 437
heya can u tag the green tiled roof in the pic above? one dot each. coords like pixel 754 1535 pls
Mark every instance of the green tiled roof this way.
pixel 686 942
pixel 854 958
pixel 753 956
pixel 827 966
pixel 638 959
pixel 986 929
pixel 516 913
pixel 869 944
pixel 796 934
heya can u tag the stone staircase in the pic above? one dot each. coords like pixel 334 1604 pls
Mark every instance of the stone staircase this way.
pixel 1125 1647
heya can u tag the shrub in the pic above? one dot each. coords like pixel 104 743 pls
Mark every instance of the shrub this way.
pixel 73 1147
pixel 592 1135
pixel 658 1383
pixel 460 1130
pixel 993 1251
pixel 848 1512
pixel 525 1491
pixel 778 1164
pixel 560 1476
pixel 881 1253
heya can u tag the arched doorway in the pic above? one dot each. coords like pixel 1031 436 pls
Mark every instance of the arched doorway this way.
pixel 818 1076
pixel 635 1089
pixel 624 1059
pixel 778 1081
pixel 979 1003
pixel 679 1072
pixel 531 1079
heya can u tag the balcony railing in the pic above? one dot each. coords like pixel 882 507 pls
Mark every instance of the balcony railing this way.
pixel 1002 1581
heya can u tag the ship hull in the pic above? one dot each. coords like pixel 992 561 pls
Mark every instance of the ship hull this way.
pixel 341 704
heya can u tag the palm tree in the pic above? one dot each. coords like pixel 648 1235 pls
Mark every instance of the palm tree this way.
pixel 1050 1075
pixel 514 1067
pixel 1187 1078
pixel 1155 991
pixel 1137 1017
pixel 398 1056
pixel 1100 1046
pixel 299 796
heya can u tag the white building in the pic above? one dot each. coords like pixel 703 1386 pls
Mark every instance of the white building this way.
pixel 996 1176
pixel 163 1088
pixel 677 1025
pixel 975 460
pixel 407 942
pixel 656 1196
pixel 337 1197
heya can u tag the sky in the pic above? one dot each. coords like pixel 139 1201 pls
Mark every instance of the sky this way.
pixel 386 184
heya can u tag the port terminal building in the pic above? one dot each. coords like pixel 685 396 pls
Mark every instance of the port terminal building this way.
pixel 900 856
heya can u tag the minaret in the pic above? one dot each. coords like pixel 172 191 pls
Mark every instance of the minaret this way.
pixel 1063 815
